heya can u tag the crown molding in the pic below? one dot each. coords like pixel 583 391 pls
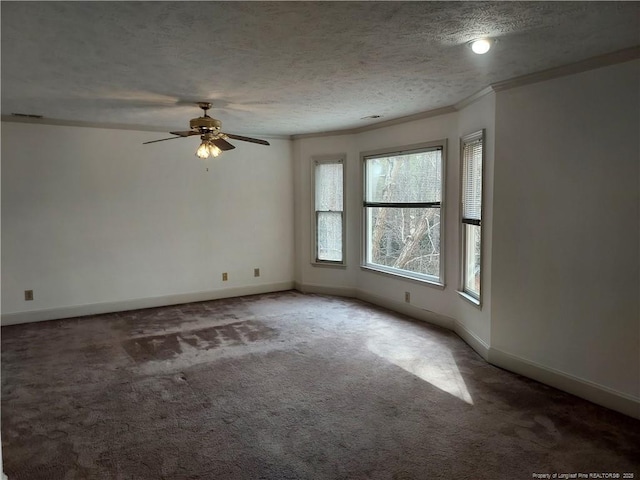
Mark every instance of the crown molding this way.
pixel 110 126
pixel 592 63
pixel 408 118
pixel 620 56
pixel 78 123
pixel 329 133
pixel 465 102
pixel 385 123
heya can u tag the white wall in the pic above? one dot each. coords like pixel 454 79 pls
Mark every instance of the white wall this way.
pixel 566 230
pixel 92 216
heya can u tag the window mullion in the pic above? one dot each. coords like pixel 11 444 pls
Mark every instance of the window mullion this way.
pixel 472 221
pixel 403 204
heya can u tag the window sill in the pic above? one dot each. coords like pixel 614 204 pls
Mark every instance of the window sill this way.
pixel 329 265
pixel 472 300
pixel 411 278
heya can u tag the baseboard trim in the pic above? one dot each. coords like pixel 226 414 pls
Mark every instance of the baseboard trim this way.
pixel 406 309
pixel 399 307
pixel 586 389
pixel 471 339
pixel 138 303
pixel 324 290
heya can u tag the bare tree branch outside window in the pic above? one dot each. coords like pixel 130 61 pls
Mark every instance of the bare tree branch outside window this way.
pixel 402 203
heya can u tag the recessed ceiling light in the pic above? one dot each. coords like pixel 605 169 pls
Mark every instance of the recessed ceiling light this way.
pixel 480 45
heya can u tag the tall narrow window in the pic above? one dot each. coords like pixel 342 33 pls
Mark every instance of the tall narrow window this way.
pixel 402 212
pixel 329 210
pixel 471 205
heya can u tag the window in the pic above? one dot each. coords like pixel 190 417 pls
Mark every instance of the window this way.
pixel 402 212
pixel 471 205
pixel 329 222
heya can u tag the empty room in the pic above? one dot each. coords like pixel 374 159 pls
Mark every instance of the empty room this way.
pixel 320 240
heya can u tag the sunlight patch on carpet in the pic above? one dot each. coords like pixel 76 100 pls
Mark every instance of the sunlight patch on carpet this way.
pixel 418 357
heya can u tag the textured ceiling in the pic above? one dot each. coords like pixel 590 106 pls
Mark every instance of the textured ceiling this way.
pixel 284 67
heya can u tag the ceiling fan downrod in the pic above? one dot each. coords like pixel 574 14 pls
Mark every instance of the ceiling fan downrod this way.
pixel 205 124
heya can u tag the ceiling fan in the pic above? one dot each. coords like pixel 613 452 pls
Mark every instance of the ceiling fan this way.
pixel 214 142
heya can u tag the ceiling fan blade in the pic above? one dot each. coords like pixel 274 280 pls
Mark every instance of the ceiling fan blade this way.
pixel 247 139
pixel 161 140
pixel 222 144
pixel 187 133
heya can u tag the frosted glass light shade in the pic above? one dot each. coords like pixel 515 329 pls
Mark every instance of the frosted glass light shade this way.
pixel 207 149
pixel 214 151
pixel 203 151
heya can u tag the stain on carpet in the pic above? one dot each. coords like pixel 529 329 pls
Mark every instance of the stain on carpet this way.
pixel 168 346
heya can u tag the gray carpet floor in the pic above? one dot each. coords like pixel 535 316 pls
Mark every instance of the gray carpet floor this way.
pixel 285 386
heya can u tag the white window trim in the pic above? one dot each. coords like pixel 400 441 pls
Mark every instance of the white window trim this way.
pixel 316 160
pixel 469 296
pixel 403 274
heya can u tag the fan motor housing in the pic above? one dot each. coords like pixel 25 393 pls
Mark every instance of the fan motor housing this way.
pixel 205 123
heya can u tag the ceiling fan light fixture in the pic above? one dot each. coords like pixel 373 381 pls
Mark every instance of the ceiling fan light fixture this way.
pixel 480 45
pixel 214 151
pixel 203 150
pixel 208 149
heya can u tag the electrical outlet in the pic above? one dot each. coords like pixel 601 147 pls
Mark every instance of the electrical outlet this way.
pixel 256 272
pixel 407 297
pixel 225 277
pixel 28 295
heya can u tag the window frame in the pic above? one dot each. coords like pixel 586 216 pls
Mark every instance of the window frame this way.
pixel 439 281
pixel 472 297
pixel 315 161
